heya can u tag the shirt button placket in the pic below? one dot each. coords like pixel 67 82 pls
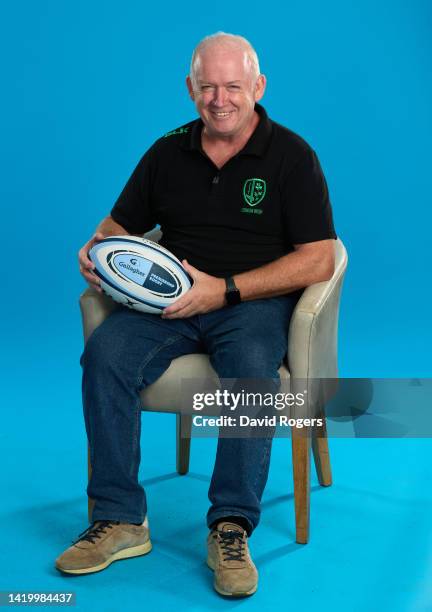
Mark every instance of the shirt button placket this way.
pixel 215 184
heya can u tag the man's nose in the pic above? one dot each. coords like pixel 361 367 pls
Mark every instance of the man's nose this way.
pixel 220 96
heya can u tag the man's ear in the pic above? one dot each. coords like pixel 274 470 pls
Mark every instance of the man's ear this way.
pixel 190 88
pixel 260 86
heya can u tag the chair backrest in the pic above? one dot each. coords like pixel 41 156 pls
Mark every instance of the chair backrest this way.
pixel 312 347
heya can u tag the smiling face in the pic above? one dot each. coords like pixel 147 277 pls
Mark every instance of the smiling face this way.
pixel 225 90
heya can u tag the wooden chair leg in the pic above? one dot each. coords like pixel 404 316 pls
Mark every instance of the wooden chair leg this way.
pixel 301 469
pixel 321 453
pixel 183 439
pixel 90 501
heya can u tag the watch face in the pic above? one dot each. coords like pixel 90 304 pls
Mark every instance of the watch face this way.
pixel 233 297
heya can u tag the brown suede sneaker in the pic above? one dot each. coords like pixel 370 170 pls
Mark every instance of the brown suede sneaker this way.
pixel 228 556
pixel 101 544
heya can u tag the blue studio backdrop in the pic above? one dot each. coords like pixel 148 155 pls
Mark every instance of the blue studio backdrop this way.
pixel 87 88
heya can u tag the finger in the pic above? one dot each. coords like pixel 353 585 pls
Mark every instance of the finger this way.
pixel 96 286
pixel 194 272
pixel 83 252
pixel 98 237
pixel 89 276
pixel 93 283
pixel 181 302
pixel 187 311
pixel 86 268
pixel 85 263
pixel 172 309
pixel 176 308
pixel 167 313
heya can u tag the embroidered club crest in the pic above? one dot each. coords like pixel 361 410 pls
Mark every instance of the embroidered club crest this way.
pixel 254 191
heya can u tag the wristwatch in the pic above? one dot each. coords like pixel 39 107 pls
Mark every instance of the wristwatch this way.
pixel 232 294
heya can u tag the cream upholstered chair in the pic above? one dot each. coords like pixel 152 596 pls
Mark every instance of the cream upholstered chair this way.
pixel 312 354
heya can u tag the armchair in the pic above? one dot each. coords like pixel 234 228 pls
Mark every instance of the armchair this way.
pixel 312 353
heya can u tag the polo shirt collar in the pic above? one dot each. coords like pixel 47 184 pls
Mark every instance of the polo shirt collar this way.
pixel 256 145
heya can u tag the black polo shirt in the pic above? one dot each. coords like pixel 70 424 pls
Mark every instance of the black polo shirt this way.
pixel 267 198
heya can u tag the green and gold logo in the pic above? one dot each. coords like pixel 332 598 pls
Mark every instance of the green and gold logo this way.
pixel 181 130
pixel 254 190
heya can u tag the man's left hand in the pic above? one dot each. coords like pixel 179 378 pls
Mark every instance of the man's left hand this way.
pixel 207 294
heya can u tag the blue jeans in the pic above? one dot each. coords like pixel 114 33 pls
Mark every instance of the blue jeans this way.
pixel 131 350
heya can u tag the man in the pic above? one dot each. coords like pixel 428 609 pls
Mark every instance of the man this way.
pixel 243 203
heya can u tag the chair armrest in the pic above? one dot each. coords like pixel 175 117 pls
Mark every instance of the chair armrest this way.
pixel 95 307
pixel 154 234
pixel 312 341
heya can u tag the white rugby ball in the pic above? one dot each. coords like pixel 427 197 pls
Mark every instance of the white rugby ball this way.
pixel 139 273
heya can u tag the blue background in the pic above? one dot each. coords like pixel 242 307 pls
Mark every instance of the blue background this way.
pixel 87 87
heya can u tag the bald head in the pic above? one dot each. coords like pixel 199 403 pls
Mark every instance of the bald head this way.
pixel 224 43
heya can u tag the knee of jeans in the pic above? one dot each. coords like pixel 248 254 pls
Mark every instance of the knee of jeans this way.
pixel 103 351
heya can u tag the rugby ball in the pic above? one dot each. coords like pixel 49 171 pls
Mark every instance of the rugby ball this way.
pixel 139 273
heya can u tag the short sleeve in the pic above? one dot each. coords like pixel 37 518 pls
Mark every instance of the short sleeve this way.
pixel 132 209
pixel 307 212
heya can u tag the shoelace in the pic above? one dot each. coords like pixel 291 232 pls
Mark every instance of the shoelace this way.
pixel 94 531
pixel 232 545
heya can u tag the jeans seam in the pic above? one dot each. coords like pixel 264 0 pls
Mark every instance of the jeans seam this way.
pixel 152 355
pixel 136 427
pixel 263 460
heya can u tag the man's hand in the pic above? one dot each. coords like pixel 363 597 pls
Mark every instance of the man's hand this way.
pixel 86 266
pixel 207 294
pixel 107 227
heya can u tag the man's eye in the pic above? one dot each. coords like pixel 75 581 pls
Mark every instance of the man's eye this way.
pixel 206 87
pixel 235 87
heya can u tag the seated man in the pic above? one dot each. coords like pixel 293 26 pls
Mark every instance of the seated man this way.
pixel 242 201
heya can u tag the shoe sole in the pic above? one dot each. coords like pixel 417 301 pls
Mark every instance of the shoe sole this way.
pixel 227 593
pixel 125 553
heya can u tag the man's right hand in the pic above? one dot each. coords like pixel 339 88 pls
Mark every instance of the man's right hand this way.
pixel 86 266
